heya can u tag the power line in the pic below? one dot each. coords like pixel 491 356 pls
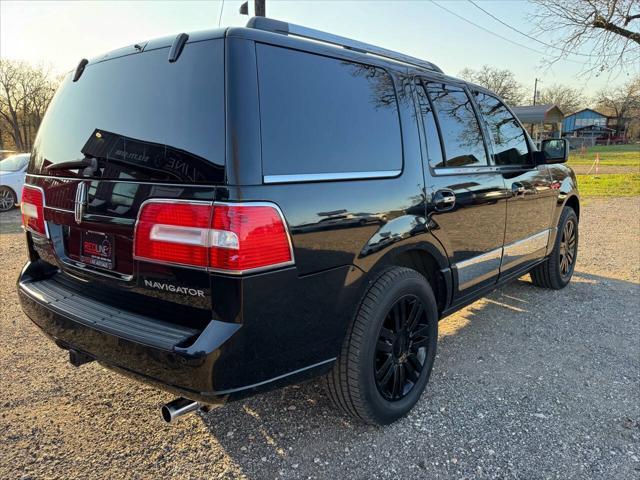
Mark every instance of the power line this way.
pixel 497 34
pixel 527 35
pixel 221 10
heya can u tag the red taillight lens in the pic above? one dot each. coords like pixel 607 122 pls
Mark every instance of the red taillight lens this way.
pixel 32 208
pixel 262 237
pixel 230 238
pixel 173 232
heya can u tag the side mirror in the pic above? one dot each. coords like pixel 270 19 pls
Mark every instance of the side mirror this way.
pixel 554 150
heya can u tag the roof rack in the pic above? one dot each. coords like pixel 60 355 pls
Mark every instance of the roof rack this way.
pixel 284 28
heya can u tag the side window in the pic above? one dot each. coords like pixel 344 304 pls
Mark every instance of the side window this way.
pixel 509 140
pixel 461 134
pixel 434 148
pixel 323 115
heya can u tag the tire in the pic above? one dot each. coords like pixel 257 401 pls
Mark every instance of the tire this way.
pixel 554 273
pixel 8 199
pixel 375 344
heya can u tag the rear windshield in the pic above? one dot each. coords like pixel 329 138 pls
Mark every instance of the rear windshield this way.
pixel 141 117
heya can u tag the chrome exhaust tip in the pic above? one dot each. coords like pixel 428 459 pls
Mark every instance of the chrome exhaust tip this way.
pixel 178 407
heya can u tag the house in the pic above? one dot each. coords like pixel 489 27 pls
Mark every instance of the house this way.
pixel 542 121
pixel 586 123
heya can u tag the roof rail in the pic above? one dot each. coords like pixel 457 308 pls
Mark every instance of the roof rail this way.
pixel 284 28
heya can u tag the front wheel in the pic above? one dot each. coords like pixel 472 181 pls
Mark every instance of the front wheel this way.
pixel 389 350
pixel 7 199
pixel 557 269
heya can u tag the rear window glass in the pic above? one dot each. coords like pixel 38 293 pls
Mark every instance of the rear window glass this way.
pixel 140 111
pixel 323 115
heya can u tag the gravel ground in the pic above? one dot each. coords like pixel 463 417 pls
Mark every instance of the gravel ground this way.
pixel 527 384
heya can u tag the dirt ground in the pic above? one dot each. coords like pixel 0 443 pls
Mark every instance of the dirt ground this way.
pixel 527 384
pixel 604 169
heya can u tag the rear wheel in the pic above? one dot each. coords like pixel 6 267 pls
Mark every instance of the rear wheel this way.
pixel 7 199
pixel 388 353
pixel 557 270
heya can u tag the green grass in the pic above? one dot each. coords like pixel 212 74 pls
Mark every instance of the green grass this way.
pixel 611 185
pixel 614 155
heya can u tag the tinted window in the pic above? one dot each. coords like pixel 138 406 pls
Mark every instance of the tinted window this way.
pixel 322 115
pixel 463 143
pixel 165 119
pixel 509 141
pixel 434 149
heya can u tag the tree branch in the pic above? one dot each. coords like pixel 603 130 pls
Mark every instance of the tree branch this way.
pixel 602 23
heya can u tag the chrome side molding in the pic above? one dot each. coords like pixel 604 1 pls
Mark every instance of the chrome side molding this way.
pixel 328 177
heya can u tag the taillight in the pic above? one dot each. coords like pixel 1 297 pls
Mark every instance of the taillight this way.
pixel 32 208
pixel 233 238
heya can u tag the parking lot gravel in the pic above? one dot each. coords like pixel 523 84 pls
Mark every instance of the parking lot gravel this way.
pixel 528 384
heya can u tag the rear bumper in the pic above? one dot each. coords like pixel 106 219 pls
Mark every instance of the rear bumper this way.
pixel 267 347
pixel 148 350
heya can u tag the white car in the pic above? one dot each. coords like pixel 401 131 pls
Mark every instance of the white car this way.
pixel 12 173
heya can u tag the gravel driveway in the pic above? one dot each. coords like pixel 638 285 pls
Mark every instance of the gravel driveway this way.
pixel 527 384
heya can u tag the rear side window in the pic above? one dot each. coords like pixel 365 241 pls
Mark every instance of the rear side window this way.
pixel 461 134
pixel 509 140
pixel 434 149
pixel 322 115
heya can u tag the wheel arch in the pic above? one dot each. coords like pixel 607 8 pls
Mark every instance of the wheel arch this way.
pixel 574 202
pixel 428 260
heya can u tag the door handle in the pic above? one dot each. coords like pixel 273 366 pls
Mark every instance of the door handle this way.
pixel 444 200
pixel 518 188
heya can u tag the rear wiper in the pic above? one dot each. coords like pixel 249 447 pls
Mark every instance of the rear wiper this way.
pixel 90 164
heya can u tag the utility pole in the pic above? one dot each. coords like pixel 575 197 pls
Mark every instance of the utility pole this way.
pixel 535 97
pixel 535 89
pixel 259 7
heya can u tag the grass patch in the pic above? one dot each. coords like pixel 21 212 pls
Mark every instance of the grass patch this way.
pixel 614 155
pixel 611 185
pixel 630 147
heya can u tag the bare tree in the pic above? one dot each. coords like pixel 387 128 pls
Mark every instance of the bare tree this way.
pixel 604 33
pixel 567 98
pixel 502 82
pixel 25 93
pixel 621 102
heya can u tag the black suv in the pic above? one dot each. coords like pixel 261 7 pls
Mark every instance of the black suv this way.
pixel 229 211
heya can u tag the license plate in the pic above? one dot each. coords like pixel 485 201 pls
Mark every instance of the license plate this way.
pixel 97 249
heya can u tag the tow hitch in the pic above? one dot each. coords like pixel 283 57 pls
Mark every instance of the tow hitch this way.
pixel 77 358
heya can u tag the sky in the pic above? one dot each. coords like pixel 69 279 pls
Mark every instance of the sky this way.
pixel 58 34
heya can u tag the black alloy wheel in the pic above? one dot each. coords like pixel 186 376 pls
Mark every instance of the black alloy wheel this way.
pixel 567 247
pixel 389 350
pixel 556 270
pixel 401 349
